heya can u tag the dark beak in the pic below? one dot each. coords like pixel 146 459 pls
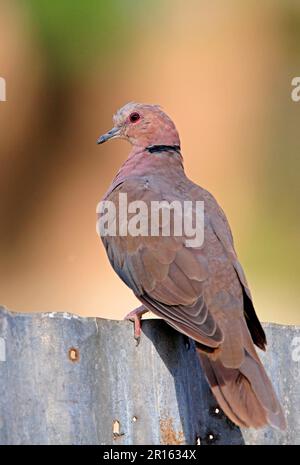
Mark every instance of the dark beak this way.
pixel 114 132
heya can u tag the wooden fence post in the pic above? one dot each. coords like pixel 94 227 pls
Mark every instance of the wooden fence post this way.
pixel 71 380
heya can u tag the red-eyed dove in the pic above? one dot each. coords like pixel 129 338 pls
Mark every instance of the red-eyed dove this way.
pixel 201 291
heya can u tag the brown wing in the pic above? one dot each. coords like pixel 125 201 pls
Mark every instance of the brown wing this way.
pixel 223 232
pixel 164 274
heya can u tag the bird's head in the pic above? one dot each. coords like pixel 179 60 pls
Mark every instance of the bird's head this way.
pixel 142 125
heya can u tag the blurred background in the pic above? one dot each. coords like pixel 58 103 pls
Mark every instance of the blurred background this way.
pixel 222 70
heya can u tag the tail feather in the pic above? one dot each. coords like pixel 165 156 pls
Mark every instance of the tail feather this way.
pixel 260 383
pixel 245 394
pixel 217 391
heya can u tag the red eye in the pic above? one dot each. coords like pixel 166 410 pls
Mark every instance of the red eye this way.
pixel 134 117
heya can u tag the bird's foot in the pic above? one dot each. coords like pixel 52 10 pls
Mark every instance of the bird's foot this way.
pixel 136 316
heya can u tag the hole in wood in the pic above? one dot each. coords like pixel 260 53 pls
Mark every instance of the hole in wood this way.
pixel 116 429
pixel 216 412
pixel 73 354
pixel 211 438
pixel 198 441
pixel 134 419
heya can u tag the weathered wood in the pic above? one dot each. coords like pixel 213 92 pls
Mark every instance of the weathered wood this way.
pixel 71 380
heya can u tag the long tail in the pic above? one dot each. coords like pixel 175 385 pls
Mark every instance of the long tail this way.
pixel 245 394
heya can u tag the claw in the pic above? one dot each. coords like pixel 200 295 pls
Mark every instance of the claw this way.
pixel 135 316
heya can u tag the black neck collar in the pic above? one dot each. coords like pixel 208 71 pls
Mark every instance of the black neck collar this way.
pixel 163 148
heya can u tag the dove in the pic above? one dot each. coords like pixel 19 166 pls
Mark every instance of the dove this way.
pixel 201 291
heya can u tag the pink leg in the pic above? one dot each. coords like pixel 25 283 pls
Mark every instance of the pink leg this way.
pixel 135 316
